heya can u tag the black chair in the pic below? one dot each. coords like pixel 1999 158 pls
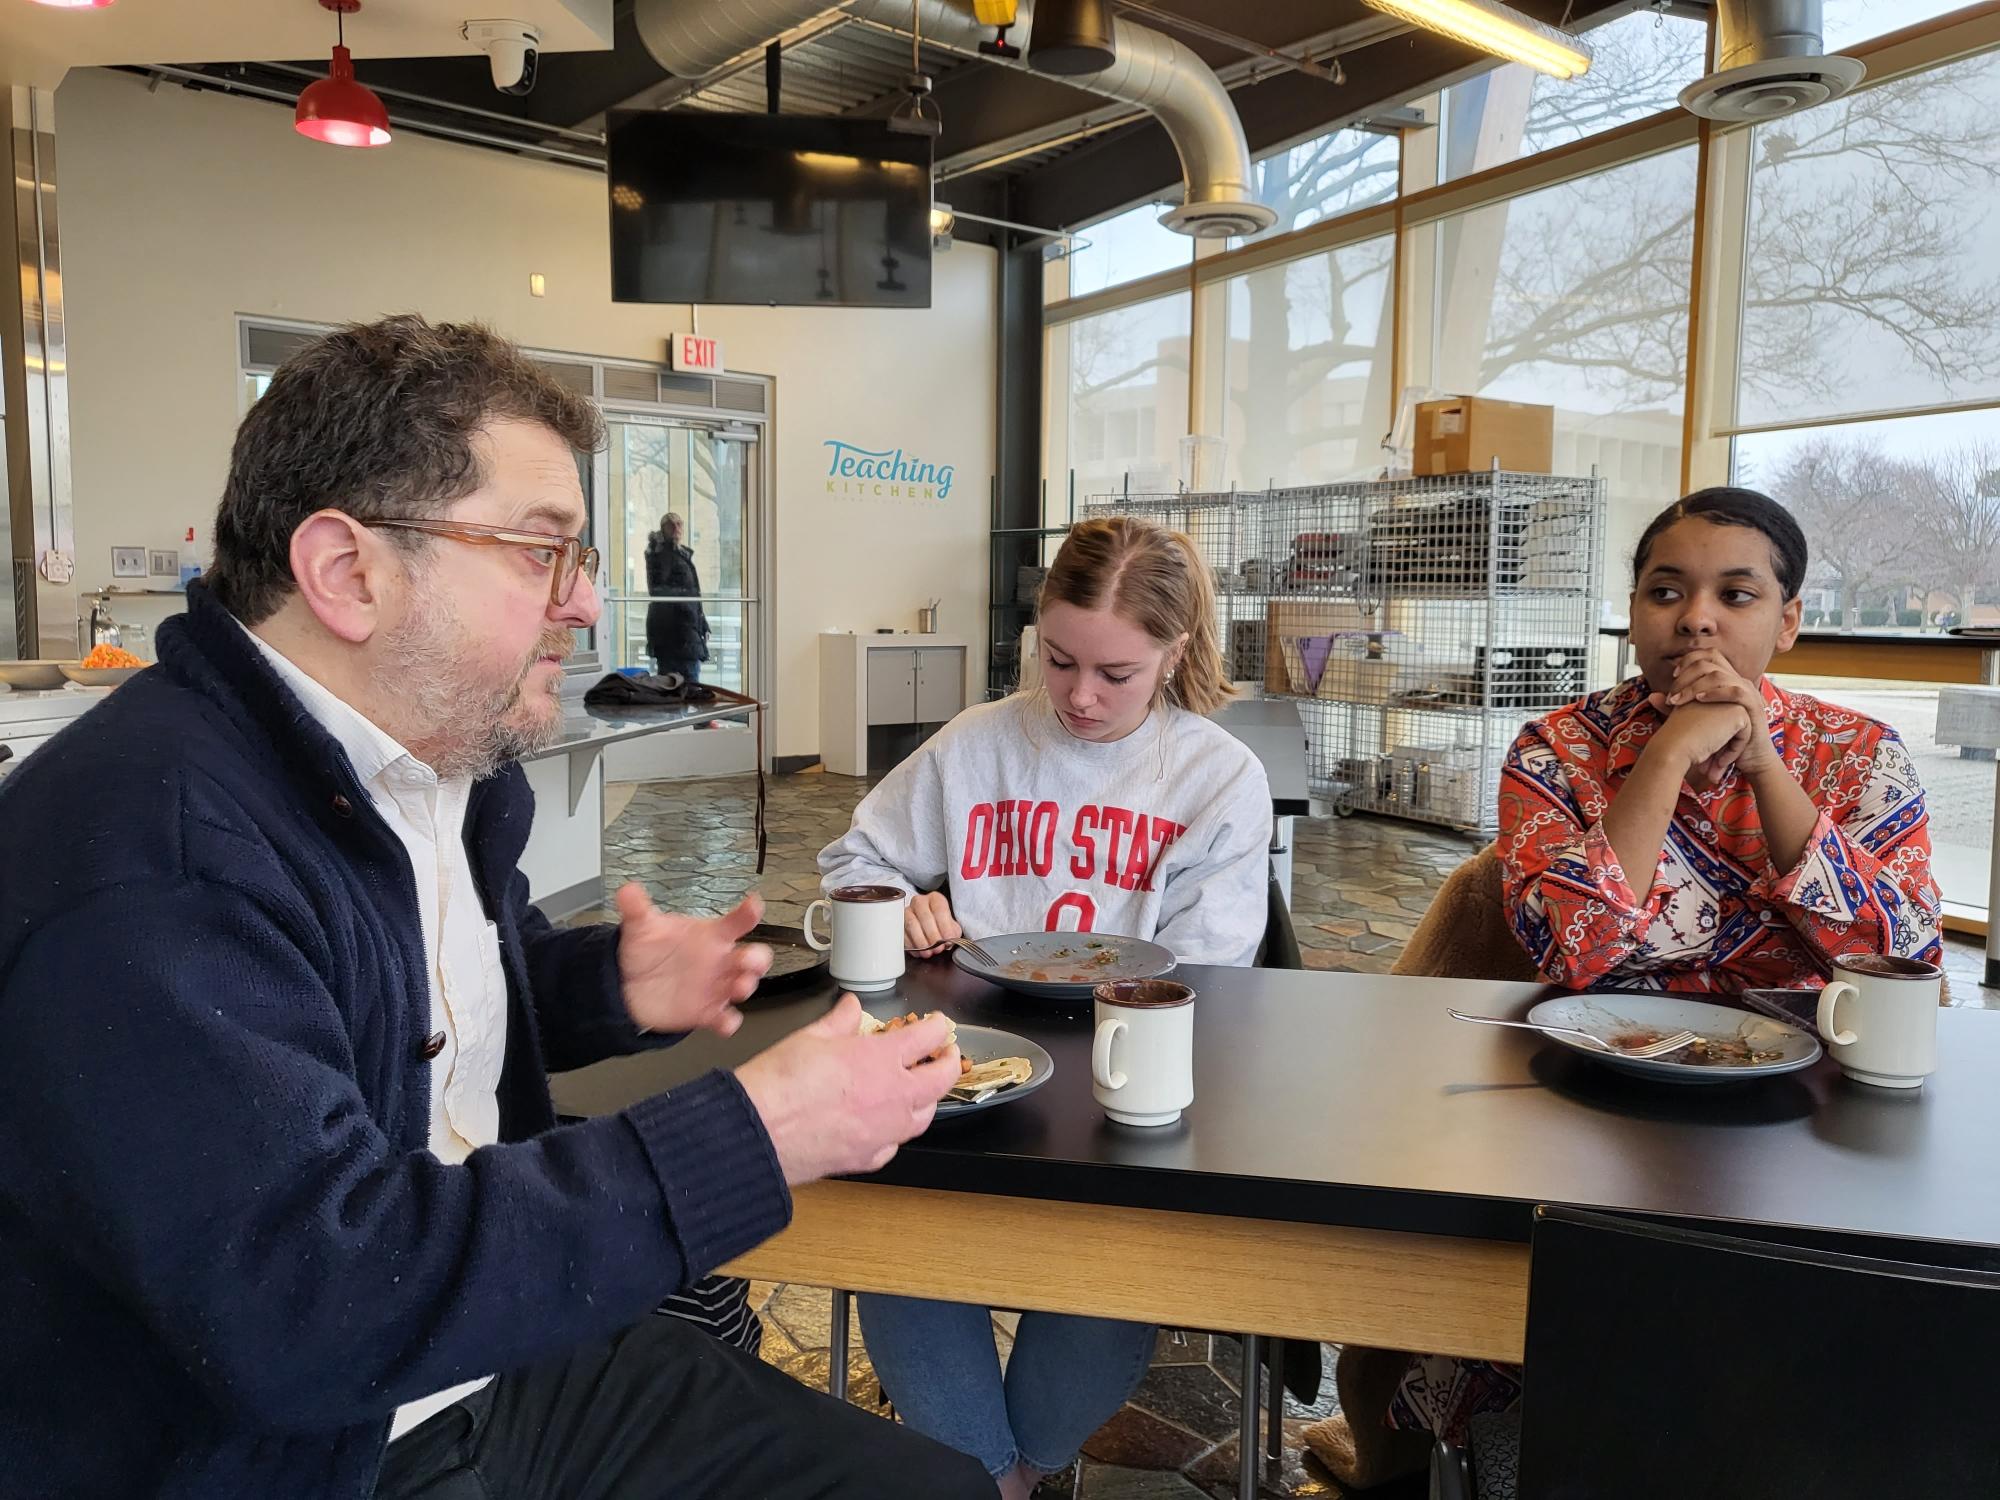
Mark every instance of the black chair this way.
pixel 1664 1362
pixel 1280 947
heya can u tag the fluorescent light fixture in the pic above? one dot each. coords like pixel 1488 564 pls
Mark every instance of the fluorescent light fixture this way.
pixel 828 161
pixel 1496 28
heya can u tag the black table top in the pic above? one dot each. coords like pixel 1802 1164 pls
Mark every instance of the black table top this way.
pixel 1353 1099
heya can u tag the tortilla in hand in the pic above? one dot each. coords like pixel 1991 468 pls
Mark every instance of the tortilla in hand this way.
pixel 869 1026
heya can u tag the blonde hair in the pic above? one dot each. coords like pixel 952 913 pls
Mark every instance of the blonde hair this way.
pixel 1156 579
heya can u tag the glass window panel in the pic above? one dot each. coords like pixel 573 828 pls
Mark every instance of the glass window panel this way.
pixel 1576 297
pixel 1124 248
pixel 1902 516
pixel 1128 396
pixel 1846 22
pixel 1902 519
pixel 1870 269
pixel 1642 63
pixel 655 469
pixel 1324 178
pixel 1308 367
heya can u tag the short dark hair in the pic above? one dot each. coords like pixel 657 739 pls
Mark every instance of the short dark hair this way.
pixel 376 419
pixel 1726 505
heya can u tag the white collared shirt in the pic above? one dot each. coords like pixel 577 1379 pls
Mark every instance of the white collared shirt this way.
pixel 468 990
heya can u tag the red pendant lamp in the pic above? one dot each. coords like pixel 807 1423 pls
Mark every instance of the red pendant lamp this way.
pixel 338 109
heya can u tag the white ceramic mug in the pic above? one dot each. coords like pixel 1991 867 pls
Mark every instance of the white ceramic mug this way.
pixel 1142 1059
pixel 1879 1018
pixel 865 923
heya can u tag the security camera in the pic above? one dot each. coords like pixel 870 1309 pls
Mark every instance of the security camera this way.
pixel 512 47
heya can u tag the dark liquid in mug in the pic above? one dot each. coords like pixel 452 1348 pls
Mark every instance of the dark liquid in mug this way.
pixel 867 893
pixel 1145 994
pixel 1888 966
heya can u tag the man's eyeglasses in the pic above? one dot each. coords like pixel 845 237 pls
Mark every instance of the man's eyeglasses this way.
pixel 565 556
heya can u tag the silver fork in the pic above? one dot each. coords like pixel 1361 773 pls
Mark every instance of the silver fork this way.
pixel 979 954
pixel 1660 1048
pixel 967 1096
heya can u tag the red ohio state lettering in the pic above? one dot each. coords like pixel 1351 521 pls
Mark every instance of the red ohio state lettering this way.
pixel 1042 838
pixel 1084 860
pixel 1164 834
pixel 1076 901
pixel 1003 839
pixel 1116 822
pixel 1138 856
pixel 978 841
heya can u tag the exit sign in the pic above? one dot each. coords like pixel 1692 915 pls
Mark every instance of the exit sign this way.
pixel 691 352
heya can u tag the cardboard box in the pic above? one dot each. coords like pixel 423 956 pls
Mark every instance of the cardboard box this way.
pixel 1350 680
pixel 1469 434
pixel 1287 621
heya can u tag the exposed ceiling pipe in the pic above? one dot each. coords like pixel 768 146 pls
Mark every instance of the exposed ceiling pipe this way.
pixel 693 38
pixel 1158 74
pixel 1153 71
pixel 1769 63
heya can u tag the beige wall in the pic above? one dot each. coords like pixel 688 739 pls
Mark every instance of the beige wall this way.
pixel 181 211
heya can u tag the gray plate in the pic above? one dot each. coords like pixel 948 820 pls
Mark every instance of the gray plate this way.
pixel 984 1044
pixel 1060 955
pixel 1614 1016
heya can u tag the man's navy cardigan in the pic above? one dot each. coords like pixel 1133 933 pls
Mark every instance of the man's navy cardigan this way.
pixel 226 1255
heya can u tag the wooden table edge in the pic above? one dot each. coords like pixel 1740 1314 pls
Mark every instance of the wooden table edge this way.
pixel 1428 1293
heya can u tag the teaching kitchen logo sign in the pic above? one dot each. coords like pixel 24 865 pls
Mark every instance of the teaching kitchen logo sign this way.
pixel 884 474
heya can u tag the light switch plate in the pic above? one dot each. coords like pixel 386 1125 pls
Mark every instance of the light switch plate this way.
pixel 128 562
pixel 166 563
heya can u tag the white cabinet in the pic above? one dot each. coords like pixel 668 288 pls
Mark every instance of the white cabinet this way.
pixel 940 683
pixel 884 681
pixel 892 686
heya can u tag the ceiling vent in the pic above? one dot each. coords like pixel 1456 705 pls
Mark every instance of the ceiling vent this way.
pixel 1770 64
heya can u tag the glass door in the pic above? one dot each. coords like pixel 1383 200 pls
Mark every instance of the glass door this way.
pixel 680 551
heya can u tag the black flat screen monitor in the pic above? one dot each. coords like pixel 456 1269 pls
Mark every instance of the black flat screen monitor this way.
pixel 777 209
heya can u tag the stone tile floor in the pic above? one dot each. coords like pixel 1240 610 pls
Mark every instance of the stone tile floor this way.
pixel 1359 886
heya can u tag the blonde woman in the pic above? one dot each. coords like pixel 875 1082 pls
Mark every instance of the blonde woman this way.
pixel 1100 800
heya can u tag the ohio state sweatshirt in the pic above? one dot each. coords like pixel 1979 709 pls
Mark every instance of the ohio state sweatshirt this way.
pixel 1162 835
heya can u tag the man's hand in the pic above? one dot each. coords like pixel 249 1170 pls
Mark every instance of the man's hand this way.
pixel 687 973
pixel 835 1101
pixel 928 925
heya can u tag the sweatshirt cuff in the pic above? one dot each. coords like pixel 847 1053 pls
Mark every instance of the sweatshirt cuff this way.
pixel 713 1159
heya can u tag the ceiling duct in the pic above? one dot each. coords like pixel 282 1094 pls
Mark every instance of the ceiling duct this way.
pixel 1072 37
pixel 1769 63
pixel 692 38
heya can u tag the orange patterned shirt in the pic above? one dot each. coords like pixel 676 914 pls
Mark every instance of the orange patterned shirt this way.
pixel 1715 915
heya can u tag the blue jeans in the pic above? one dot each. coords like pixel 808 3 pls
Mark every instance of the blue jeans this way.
pixel 1066 1377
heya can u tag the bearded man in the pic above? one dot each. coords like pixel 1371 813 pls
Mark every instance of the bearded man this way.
pixel 284 1205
